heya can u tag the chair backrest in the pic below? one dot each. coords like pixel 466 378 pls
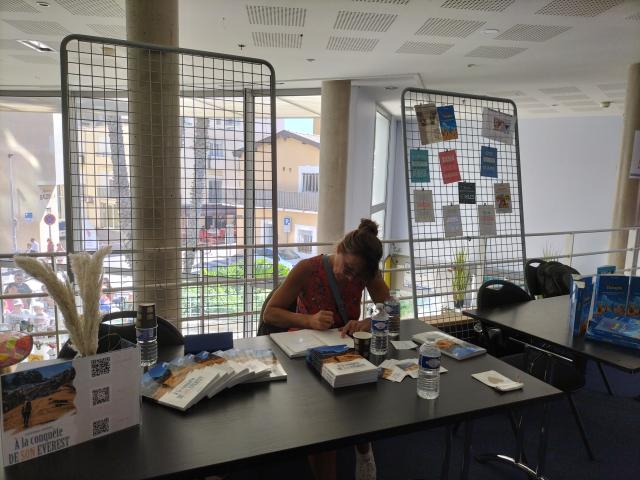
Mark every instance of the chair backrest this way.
pixel 531 276
pixel 495 293
pixel 265 328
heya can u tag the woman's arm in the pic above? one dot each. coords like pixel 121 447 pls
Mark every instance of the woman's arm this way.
pixel 277 310
pixel 379 292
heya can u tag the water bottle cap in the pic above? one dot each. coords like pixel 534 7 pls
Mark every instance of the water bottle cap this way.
pixel 146 316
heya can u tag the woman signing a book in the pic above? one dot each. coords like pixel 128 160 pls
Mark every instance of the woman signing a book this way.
pixel 326 291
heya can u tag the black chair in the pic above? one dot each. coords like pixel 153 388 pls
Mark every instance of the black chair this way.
pixel 265 328
pixel 121 325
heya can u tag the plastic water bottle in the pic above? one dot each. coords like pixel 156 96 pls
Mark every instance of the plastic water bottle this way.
pixel 379 331
pixel 429 372
pixel 147 333
pixel 392 307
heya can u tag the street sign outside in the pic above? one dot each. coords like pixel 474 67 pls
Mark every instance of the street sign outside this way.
pixel 49 219
pixel 286 224
pixel 28 216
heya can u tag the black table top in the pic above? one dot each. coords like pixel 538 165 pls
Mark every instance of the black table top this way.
pixel 548 320
pixel 267 421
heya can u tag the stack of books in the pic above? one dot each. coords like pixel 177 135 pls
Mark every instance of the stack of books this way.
pixel 341 366
pixel 186 380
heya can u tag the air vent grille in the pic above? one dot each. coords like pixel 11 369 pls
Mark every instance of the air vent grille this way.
pixel 276 40
pixel 363 21
pixel 37 59
pixel 449 27
pixel 352 44
pixel 424 48
pixel 484 5
pixel 38 28
pixel 635 17
pixel 92 8
pixel 485 51
pixel 560 90
pixel 578 8
pixel 113 31
pixel 16 6
pixel 276 16
pixel 532 33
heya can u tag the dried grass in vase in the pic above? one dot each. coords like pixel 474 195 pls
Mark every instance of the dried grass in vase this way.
pixel 87 269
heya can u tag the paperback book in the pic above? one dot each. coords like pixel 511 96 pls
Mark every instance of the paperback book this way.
pixel 296 343
pixel 419 166
pixel 581 299
pixel 52 405
pixel 449 166
pixel 448 126
pixel 428 124
pixel 450 345
pixel 341 366
pixel 263 363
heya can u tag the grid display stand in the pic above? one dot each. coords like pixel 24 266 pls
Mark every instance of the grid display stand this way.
pixel 467 230
pixel 169 158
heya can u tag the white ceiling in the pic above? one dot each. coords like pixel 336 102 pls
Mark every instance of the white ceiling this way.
pixel 553 57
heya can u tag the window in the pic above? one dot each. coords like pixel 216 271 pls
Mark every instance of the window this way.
pixel 310 182
pixel 215 193
pixel 304 236
pixel 215 149
pixel 380 167
pixel 108 216
pixel 267 233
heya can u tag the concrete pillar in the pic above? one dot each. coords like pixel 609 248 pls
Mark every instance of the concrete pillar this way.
pixel 626 204
pixel 334 151
pixel 154 136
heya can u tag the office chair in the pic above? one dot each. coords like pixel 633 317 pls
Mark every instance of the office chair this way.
pixel 265 328
pixel 121 325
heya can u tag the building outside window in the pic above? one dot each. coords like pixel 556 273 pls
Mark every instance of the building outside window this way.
pixel 310 182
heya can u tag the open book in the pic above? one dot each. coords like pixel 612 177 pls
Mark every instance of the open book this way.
pixel 296 343
pixel 450 345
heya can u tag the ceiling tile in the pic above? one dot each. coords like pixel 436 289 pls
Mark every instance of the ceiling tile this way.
pixel 449 27
pixel 543 110
pixel 635 17
pixel 578 8
pixel 508 94
pixel 387 2
pixel 582 103
pixel 276 16
pixel 364 21
pixel 93 8
pixel 484 5
pixel 38 59
pixel 532 33
pixel 276 40
pixel 595 108
pixel 352 44
pixel 485 51
pixel 16 6
pixel 113 31
pixel 6 44
pixel 568 98
pixel 424 48
pixel 560 90
pixel 605 87
pixel 38 28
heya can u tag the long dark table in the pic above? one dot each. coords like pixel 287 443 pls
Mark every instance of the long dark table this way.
pixel 547 321
pixel 256 423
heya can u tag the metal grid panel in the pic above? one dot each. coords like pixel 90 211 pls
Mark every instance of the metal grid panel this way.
pixel 443 282
pixel 169 158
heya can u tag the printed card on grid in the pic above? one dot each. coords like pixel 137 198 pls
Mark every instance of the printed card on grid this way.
pixel 452 221
pixel 428 123
pixel 419 166
pixel 488 162
pixel 502 193
pixel 448 126
pixel 486 220
pixel 497 126
pixel 467 192
pixel 449 166
pixel 423 206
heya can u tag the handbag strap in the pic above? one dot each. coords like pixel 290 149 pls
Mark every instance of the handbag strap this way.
pixel 334 288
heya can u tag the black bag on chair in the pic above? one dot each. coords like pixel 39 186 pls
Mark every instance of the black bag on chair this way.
pixel 549 279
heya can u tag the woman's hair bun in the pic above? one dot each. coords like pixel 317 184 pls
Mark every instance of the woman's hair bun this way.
pixel 368 226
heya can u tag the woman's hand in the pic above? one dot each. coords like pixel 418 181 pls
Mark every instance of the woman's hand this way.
pixel 356 326
pixel 322 320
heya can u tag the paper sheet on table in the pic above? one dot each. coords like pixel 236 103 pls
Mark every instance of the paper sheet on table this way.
pixel 498 381
pixel 403 344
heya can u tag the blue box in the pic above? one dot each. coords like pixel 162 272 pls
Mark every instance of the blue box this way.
pixel 208 342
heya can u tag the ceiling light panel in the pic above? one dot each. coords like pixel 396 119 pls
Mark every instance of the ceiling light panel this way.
pixel 38 28
pixel 424 48
pixel 364 21
pixel 352 44
pixel 484 5
pixel 276 16
pixel 16 6
pixel 92 8
pixel 276 40
pixel 560 90
pixel 449 27
pixel 486 51
pixel 37 59
pixel 532 33
pixel 578 8
pixel 113 31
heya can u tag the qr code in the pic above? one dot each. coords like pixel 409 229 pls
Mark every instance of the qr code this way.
pixel 100 366
pixel 100 426
pixel 99 396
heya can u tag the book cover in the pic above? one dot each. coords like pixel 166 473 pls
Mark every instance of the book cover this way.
pixel 502 193
pixel 452 221
pixel 611 295
pixel 486 221
pixel 296 343
pixel 450 345
pixel 448 126
pixel 633 303
pixel 428 124
pixel 581 296
pixel 467 192
pixel 497 125
pixel 449 166
pixel 419 166
pixel 263 363
pixel 54 405
pixel 423 206
pixel 341 366
pixel 609 322
pixel 488 162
